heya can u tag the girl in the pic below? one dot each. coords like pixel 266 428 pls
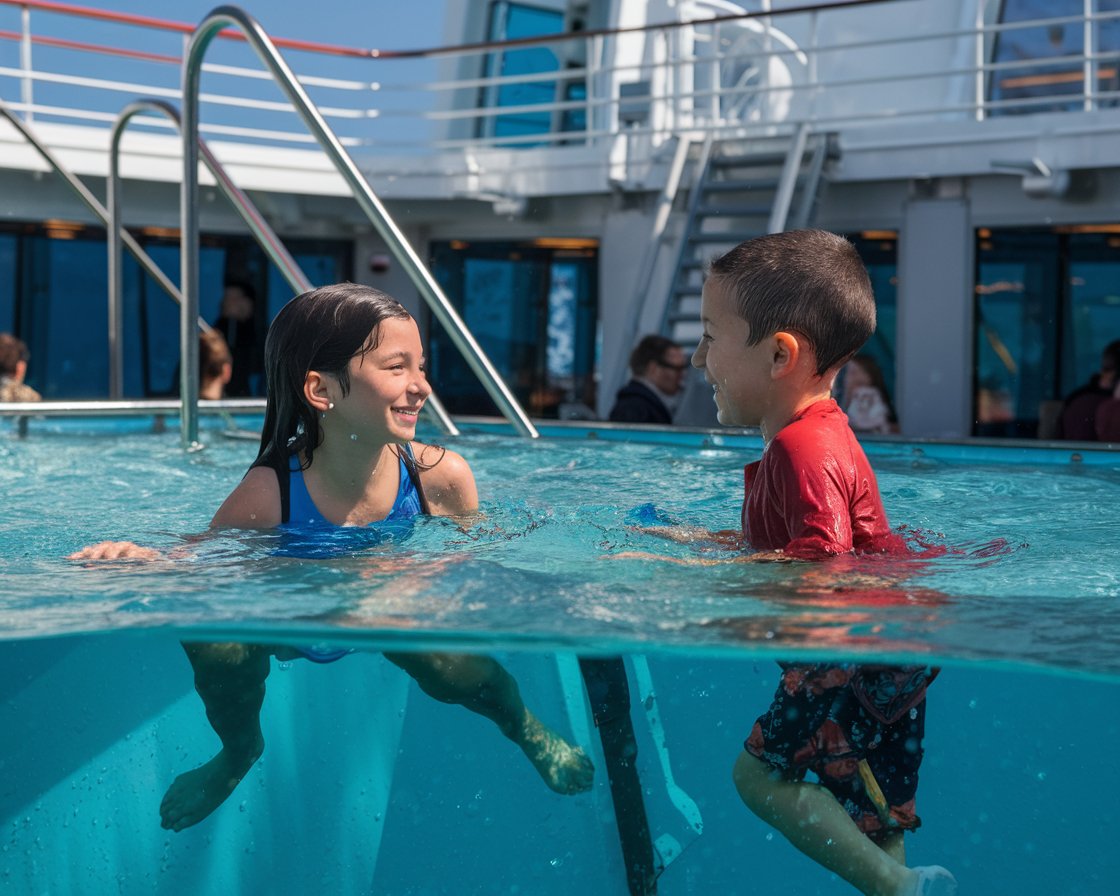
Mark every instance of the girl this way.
pixel 346 383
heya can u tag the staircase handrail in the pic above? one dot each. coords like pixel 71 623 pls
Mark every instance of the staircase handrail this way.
pixel 264 235
pixel 225 16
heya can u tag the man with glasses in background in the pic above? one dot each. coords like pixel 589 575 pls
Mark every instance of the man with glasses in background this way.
pixel 659 367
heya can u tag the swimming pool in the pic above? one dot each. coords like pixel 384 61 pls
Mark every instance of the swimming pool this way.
pixel 368 786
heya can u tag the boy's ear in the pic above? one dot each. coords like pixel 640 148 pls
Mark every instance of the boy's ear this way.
pixel 316 390
pixel 787 350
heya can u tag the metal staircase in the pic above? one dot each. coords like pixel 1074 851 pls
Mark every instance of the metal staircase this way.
pixel 743 189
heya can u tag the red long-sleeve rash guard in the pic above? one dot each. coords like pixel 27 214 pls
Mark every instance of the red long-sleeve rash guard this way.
pixel 814 494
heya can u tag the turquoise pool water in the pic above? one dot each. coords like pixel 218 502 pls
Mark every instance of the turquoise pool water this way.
pixel 368 786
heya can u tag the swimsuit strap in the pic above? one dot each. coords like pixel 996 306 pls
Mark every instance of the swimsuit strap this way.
pixel 409 462
pixel 282 469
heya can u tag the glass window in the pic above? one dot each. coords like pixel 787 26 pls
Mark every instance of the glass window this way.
pixel 1092 313
pixel 8 247
pixel 1025 82
pixel 511 21
pixel 879 252
pixel 1047 303
pixel 533 311
pixel 1018 295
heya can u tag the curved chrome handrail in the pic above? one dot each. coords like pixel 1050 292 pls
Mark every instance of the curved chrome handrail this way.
pixel 83 193
pixel 211 25
pixel 265 236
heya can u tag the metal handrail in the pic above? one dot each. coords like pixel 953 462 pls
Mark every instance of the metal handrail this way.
pixel 91 201
pixel 126 408
pixel 264 235
pixel 207 30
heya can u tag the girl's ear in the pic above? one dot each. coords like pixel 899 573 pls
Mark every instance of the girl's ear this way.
pixel 787 352
pixel 317 391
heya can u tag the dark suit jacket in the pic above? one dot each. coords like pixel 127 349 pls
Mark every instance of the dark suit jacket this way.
pixel 637 403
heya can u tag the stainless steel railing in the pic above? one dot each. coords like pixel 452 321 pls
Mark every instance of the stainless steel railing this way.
pixel 265 236
pixel 223 17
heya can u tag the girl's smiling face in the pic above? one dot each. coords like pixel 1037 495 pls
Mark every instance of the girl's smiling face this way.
pixel 388 384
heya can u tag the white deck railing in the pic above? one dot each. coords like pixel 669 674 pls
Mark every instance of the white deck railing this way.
pixel 713 71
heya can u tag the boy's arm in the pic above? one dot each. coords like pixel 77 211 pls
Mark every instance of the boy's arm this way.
pixel 729 538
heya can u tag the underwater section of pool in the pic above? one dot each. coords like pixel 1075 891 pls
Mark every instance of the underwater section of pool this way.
pixel 368 786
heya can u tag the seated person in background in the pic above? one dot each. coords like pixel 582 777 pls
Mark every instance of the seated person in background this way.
pixel 658 366
pixel 215 365
pixel 865 399
pixel 237 322
pixel 1108 417
pixel 1078 420
pixel 13 368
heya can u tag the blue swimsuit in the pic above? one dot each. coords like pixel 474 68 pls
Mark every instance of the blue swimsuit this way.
pixel 311 535
pixel 302 512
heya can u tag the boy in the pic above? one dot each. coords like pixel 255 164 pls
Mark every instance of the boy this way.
pixel 782 314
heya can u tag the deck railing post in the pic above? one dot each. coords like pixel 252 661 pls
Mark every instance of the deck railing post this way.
pixel 26 84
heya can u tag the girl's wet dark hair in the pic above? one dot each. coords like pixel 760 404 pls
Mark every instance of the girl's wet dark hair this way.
pixel 810 281
pixel 319 330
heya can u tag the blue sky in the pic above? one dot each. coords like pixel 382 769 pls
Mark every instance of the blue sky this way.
pixel 384 24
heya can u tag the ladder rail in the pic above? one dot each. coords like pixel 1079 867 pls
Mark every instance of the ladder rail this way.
pixel 264 235
pixel 231 16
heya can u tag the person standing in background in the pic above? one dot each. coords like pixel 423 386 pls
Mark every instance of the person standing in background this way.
pixel 237 322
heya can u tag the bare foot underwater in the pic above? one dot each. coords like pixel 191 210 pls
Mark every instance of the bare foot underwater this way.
pixel 564 768
pixel 195 794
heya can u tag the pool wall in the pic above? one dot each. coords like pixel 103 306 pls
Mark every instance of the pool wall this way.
pixel 367 786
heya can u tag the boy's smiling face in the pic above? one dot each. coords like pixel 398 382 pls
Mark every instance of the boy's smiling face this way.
pixel 740 375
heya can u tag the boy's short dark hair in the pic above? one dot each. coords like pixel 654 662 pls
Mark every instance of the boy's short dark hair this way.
pixel 809 281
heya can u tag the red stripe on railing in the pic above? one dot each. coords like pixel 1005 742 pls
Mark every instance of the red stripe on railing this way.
pixel 91 48
pixel 334 50
pixel 123 18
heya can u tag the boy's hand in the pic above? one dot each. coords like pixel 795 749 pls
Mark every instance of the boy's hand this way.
pixel 692 534
pixel 680 561
pixel 759 557
pixel 116 550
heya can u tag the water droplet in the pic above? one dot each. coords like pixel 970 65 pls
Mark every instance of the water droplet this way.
pixel 1041 776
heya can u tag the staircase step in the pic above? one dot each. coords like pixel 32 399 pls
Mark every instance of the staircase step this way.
pixel 689 310
pixel 770 184
pixel 686 332
pixel 734 211
pixel 730 239
pixel 751 160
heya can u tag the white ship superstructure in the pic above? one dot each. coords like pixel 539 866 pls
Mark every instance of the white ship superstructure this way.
pixel 566 169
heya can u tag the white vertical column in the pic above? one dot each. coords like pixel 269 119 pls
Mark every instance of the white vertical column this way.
pixel 936 260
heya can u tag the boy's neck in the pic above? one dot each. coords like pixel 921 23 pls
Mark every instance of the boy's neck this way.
pixel 787 407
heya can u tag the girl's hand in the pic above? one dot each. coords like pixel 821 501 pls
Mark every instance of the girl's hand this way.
pixel 116 550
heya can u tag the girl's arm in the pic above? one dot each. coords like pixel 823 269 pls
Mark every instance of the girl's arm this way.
pixel 254 504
